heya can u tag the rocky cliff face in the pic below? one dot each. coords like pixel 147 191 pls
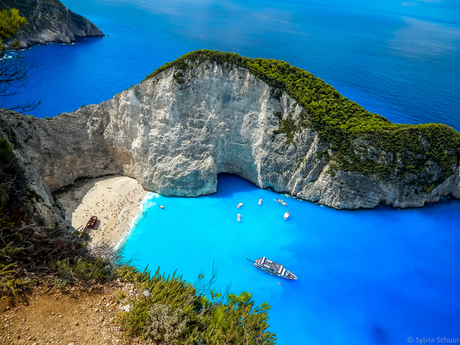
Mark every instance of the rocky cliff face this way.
pixel 48 21
pixel 174 138
pixel 44 209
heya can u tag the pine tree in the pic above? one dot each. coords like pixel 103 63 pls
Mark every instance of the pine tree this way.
pixel 10 22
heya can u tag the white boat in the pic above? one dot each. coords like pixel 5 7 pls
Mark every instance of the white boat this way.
pixel 239 205
pixel 286 215
pixel 273 268
pixel 238 217
pixel 161 206
pixel 260 201
pixel 280 201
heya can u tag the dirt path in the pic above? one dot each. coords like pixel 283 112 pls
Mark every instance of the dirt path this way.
pixel 77 317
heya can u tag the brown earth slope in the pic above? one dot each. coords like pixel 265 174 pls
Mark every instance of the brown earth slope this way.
pixel 68 316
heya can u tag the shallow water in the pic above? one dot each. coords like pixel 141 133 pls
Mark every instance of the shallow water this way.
pixel 363 276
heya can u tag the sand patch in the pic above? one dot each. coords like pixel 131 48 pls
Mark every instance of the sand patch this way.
pixel 115 201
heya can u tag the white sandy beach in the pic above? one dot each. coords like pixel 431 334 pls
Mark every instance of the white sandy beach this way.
pixel 115 201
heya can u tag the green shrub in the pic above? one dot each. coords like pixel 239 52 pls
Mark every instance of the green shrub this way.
pixel 10 22
pixel 11 286
pixel 164 324
pixel 82 269
pixel 120 296
pixel 59 283
pixel 179 312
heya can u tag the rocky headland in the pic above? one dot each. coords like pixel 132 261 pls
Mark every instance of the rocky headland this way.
pixel 264 120
pixel 48 21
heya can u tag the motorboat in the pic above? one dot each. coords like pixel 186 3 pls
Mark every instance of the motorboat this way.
pixel 286 215
pixel 260 201
pixel 239 205
pixel 273 268
pixel 162 207
pixel 280 201
pixel 238 217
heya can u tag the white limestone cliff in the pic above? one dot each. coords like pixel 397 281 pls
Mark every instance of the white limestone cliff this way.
pixel 175 138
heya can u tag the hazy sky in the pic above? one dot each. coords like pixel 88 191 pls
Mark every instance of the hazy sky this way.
pixel 446 10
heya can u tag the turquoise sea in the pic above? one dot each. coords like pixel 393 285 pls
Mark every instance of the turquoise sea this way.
pixel 370 277
pixel 364 277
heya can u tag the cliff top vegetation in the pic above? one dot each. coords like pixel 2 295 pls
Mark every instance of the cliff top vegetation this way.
pixel 355 139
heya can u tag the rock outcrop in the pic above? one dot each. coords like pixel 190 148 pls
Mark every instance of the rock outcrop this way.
pixel 175 137
pixel 48 21
pixel 44 208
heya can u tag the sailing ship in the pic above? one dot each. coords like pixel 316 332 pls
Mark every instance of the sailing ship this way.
pixel 273 268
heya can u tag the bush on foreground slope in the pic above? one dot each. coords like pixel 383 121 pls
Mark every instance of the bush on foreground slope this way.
pixel 172 310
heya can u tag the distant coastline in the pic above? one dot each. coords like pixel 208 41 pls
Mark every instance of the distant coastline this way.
pixel 48 21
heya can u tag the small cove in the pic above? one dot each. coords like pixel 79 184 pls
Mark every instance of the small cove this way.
pixel 363 275
pixel 370 277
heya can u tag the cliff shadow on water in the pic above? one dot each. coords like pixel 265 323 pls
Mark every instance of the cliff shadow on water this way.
pixel 226 190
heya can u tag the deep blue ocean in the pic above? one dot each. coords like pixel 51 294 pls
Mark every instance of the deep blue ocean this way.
pixel 370 277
